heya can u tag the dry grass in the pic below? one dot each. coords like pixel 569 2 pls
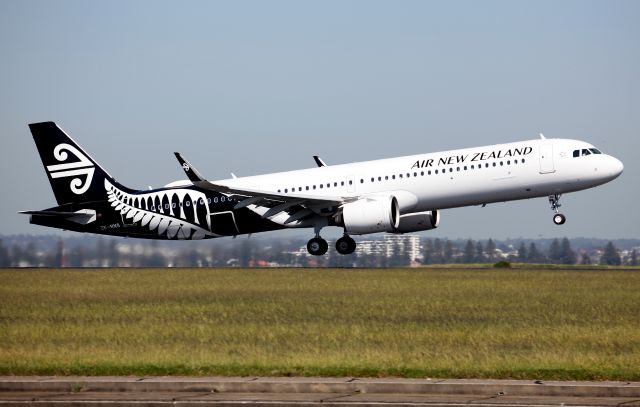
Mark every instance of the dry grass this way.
pixel 414 323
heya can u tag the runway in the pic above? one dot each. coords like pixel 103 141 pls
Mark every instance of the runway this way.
pixel 303 391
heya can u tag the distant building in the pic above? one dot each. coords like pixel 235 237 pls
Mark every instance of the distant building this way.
pixel 409 244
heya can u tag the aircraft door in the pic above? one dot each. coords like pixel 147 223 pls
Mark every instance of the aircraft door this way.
pixel 546 159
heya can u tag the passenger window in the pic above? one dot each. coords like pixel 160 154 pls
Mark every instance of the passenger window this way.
pixel 422 173
pixel 361 181
pixel 342 183
pixel 458 169
pixel 379 178
pixel 386 177
pixel 350 182
pixel 436 171
pixel 400 175
pixel 307 187
pixel 429 172
pixel 321 186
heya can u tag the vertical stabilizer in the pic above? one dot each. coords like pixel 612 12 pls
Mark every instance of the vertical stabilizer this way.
pixel 73 174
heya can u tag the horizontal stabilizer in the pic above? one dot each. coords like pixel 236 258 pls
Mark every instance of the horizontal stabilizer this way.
pixel 49 213
pixel 83 216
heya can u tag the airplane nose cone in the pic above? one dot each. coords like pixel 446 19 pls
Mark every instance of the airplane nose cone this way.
pixel 614 167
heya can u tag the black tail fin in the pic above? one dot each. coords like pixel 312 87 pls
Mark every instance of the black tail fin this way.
pixel 74 175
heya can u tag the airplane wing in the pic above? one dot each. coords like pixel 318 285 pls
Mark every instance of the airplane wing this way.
pixel 282 202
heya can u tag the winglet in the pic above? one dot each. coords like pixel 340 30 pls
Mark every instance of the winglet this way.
pixel 319 161
pixel 191 172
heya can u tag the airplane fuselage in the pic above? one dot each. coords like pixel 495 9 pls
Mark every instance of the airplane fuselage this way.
pixel 394 195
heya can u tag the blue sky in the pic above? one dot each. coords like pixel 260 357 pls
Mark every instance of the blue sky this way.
pixel 255 87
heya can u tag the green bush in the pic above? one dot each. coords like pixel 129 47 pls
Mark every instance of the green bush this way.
pixel 502 265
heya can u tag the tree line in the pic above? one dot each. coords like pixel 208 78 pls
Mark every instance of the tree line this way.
pixel 438 251
pixel 103 252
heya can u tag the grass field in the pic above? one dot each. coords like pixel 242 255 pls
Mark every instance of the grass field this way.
pixel 408 322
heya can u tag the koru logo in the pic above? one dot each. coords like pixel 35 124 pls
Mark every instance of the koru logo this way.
pixel 76 168
pixel 185 167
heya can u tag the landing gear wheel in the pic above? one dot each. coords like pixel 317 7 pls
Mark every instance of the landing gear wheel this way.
pixel 317 246
pixel 559 219
pixel 345 245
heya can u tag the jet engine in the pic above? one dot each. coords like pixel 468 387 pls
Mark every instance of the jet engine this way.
pixel 415 222
pixel 371 214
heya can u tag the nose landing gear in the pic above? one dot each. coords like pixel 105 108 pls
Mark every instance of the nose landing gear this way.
pixel 558 218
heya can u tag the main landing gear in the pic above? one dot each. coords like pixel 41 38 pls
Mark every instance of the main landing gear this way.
pixel 318 246
pixel 345 245
pixel 558 218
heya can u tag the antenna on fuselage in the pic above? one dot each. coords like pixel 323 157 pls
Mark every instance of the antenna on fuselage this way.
pixel 542 136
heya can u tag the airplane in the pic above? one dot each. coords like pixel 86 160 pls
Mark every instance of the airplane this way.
pixel 395 195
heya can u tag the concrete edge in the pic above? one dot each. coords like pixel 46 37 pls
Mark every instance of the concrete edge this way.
pixel 320 385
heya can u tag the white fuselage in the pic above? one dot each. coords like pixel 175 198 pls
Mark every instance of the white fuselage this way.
pixel 455 178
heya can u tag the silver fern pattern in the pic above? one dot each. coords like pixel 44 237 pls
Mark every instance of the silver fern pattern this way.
pixel 176 213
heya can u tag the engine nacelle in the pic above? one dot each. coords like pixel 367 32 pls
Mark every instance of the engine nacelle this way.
pixel 415 222
pixel 372 214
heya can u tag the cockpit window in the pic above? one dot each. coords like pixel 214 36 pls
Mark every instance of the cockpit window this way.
pixel 586 151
